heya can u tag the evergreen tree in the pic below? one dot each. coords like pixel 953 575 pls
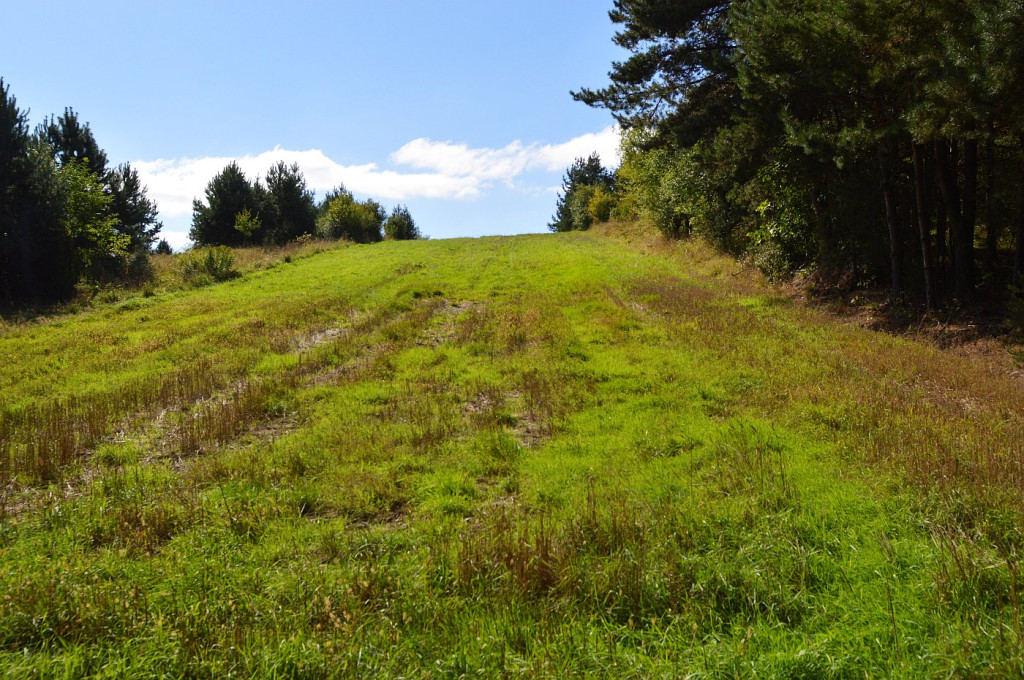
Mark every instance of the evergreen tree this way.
pixel 13 160
pixel 228 195
pixel 72 141
pixel 830 134
pixel 62 216
pixel 35 251
pixel 400 226
pixel 680 79
pixel 572 212
pixel 135 213
pixel 290 207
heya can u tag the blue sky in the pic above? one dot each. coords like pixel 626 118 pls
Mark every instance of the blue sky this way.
pixel 460 110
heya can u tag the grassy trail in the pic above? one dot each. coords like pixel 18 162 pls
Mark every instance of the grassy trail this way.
pixel 546 455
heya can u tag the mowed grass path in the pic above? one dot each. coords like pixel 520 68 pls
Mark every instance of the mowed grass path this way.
pixel 552 456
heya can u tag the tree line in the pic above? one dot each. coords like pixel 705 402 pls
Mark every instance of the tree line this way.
pixel 865 141
pixel 238 211
pixel 65 215
pixel 67 218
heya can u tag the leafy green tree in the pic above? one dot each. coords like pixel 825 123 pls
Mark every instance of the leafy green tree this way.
pixel 343 217
pixel 87 219
pixel 248 225
pixel 135 215
pixel 601 204
pixel 228 195
pixel 400 226
pixel 578 203
pixel 659 184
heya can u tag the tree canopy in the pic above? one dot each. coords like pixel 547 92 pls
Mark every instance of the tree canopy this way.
pixel 64 216
pixel 861 140
pixel 343 217
pixel 400 225
pixel 228 195
pixel 584 181
pixel 281 208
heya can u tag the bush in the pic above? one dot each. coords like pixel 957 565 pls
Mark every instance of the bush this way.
pixel 202 266
pixel 601 204
pixel 579 207
pixel 783 240
pixel 139 269
pixel 346 218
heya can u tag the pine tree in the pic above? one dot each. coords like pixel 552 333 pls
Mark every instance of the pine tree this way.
pixel 228 194
pixel 72 141
pixel 680 78
pixel 400 226
pixel 572 212
pixel 36 254
pixel 290 209
pixel 135 213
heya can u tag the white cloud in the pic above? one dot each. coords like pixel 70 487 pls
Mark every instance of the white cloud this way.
pixel 556 158
pixel 174 183
pixel 443 170
pixel 508 162
pixel 178 240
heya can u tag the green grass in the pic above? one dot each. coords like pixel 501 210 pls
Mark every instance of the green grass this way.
pixel 576 455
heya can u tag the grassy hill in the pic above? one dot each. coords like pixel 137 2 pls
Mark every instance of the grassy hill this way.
pixel 575 455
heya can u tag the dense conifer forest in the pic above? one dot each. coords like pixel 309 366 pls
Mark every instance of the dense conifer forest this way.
pixel 873 143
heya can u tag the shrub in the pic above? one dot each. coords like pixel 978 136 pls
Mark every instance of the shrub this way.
pixel 601 204
pixel 346 218
pixel 580 218
pixel 139 269
pixel 207 265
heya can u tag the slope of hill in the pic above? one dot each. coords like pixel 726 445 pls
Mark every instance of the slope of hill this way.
pixel 548 455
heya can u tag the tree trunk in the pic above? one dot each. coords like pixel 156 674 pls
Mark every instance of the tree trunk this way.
pixel 994 229
pixel 1018 259
pixel 924 231
pixel 942 239
pixel 993 216
pixel 890 218
pixel 970 213
pixel 823 227
pixel 950 190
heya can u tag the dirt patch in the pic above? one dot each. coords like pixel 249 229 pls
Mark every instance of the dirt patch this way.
pixel 445 331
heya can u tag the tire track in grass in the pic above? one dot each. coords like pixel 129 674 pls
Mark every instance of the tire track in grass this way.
pixel 188 429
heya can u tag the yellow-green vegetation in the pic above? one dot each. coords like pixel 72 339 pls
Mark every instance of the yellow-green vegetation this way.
pixel 564 455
